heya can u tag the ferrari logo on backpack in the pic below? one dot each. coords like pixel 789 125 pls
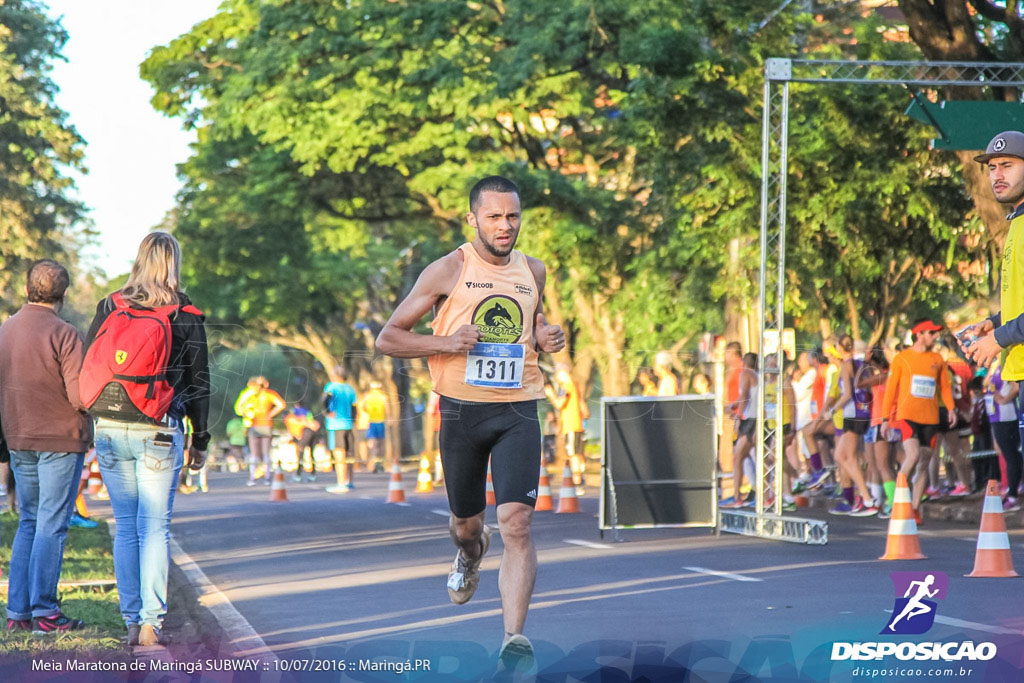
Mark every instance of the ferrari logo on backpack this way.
pixel 121 357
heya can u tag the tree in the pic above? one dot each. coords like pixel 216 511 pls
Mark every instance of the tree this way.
pixel 36 215
pixel 338 139
pixel 971 31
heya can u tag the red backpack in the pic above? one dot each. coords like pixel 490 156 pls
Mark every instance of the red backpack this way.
pixel 132 349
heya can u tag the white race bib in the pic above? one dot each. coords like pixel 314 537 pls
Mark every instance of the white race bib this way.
pixel 498 366
pixel 770 410
pixel 990 404
pixel 922 386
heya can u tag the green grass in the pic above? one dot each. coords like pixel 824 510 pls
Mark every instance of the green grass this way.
pixel 88 555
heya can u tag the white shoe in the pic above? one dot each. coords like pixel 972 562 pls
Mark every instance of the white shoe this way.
pixel 465 575
pixel 516 654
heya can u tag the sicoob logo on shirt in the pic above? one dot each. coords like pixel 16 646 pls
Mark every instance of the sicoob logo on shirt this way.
pixel 499 319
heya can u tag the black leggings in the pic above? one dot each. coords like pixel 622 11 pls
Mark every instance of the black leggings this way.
pixel 1008 437
pixel 508 434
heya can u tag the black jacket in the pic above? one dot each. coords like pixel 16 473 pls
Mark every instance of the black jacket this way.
pixel 188 371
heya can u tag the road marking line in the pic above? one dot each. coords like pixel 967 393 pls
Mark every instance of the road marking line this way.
pixel 404 505
pixel 442 513
pixel 240 632
pixel 589 544
pixel 726 575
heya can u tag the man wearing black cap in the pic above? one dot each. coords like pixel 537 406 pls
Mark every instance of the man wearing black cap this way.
pixel 1004 157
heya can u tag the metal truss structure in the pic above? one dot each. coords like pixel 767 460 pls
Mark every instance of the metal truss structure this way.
pixel 766 520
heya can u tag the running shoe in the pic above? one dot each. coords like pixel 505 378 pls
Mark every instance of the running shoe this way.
pixel 338 489
pixel 55 624
pixel 789 506
pixel 82 522
pixel 862 509
pixel 841 508
pixel 19 624
pixel 465 574
pixel 817 479
pixel 959 490
pixel 798 486
pixel 731 500
pixel 297 478
pixel 885 512
pixel 931 492
pixel 1011 504
pixel 516 655
pixel 917 518
pixel 251 482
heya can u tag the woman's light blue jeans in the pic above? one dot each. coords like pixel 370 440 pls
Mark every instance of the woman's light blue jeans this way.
pixel 140 464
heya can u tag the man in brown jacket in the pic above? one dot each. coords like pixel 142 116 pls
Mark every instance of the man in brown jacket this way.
pixel 48 432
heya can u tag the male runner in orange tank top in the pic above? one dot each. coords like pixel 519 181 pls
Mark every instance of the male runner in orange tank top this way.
pixel 488 328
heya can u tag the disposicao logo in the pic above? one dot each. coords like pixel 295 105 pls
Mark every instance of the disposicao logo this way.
pixel 912 614
pixel 914 610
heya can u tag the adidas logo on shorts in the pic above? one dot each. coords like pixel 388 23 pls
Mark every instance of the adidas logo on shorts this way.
pixel 532 493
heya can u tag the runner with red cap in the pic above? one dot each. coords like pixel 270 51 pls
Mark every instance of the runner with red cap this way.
pixel 911 403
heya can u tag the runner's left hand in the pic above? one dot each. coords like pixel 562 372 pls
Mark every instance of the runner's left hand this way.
pixel 550 338
pixel 985 350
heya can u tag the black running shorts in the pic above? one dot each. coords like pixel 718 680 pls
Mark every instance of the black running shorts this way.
pixel 508 434
pixel 857 425
pixel 340 438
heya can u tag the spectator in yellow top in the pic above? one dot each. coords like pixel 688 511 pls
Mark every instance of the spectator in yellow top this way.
pixel 572 411
pixel 668 384
pixel 375 406
pixel 260 405
pixel 647 385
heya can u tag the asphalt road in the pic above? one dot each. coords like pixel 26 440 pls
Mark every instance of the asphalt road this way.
pixel 327 580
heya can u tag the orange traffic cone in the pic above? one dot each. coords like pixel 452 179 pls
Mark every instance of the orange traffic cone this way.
pixel 993 558
pixel 95 479
pixel 424 481
pixel 396 494
pixel 491 500
pixel 278 494
pixel 544 502
pixel 567 500
pixel 902 542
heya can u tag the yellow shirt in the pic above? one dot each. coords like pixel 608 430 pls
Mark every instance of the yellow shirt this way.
pixel 1011 297
pixel 374 404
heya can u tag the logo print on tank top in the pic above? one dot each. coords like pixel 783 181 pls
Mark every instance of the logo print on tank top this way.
pixel 499 319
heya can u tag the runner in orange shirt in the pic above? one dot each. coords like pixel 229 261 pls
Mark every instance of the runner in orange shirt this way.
pixel 917 378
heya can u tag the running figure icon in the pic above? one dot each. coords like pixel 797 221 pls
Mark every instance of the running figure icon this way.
pixel 915 606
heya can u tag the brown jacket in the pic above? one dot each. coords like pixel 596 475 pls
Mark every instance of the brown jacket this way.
pixel 40 358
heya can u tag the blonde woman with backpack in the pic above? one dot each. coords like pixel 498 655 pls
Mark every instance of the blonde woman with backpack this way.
pixel 145 371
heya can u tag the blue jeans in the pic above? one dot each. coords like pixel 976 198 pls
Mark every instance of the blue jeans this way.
pixel 140 465
pixel 47 484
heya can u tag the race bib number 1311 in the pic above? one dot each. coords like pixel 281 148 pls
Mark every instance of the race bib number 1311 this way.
pixel 498 366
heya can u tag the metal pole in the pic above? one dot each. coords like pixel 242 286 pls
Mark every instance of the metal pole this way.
pixel 780 320
pixel 765 182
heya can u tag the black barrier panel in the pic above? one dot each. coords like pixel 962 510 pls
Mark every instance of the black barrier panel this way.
pixel 659 457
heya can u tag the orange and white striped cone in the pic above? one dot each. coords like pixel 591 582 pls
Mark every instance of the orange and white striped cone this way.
pixel 567 500
pixel 95 479
pixel 992 558
pixel 424 481
pixel 544 502
pixel 902 542
pixel 396 494
pixel 278 494
pixel 491 500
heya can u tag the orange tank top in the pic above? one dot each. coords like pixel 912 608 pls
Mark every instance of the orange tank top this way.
pixel 501 301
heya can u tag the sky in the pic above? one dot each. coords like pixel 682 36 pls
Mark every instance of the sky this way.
pixel 131 149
